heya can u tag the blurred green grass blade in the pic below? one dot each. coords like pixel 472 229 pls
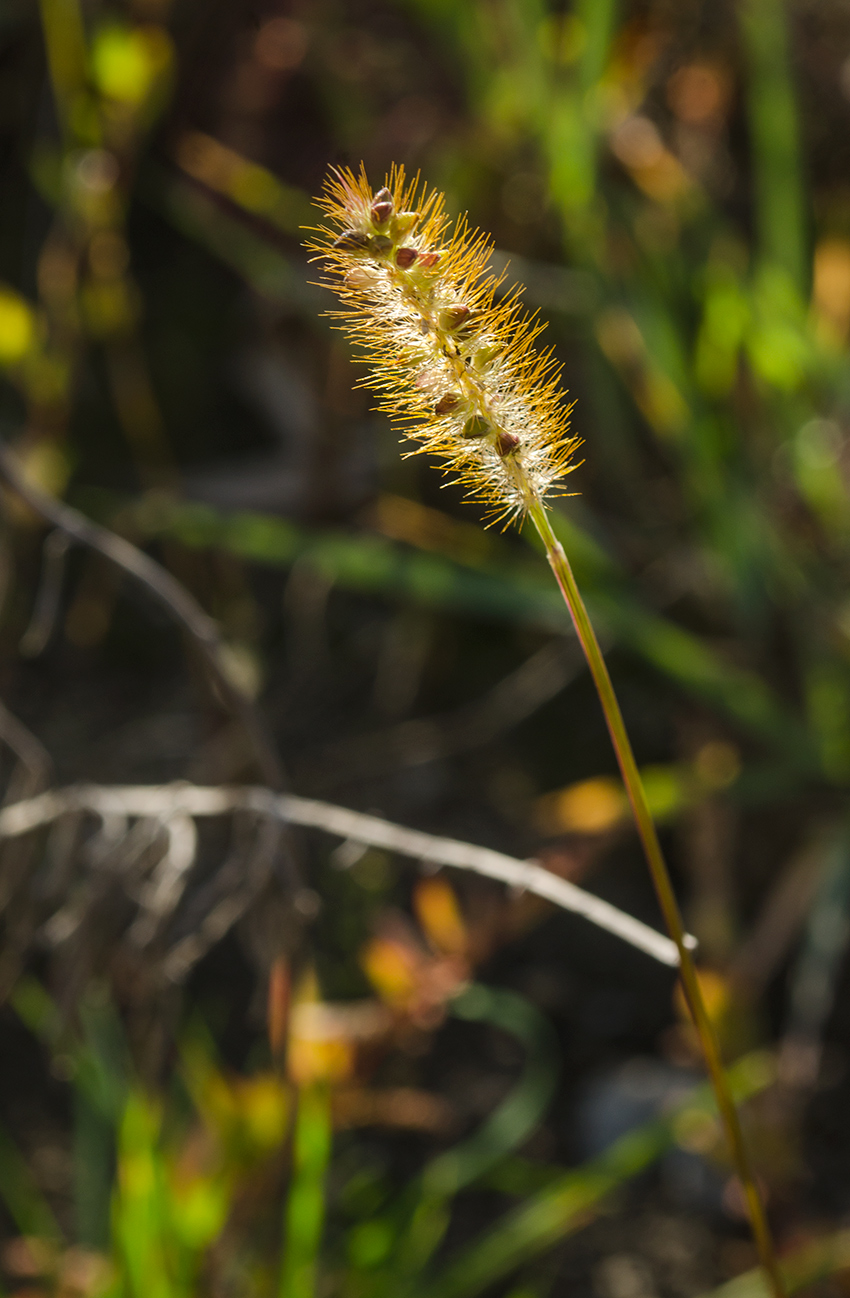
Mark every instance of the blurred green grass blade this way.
pixel 364 561
pixel 511 1123
pixel 546 1217
pixel 518 1176
pixel 26 1204
pixel 99 1059
pixel 519 1114
pixel 93 1143
pixel 497 48
pixel 503 586
pixel 775 139
pixel 94 1158
pixel 686 659
pixel 103 1068
pixel 827 690
pixel 101 1084
pixel 65 39
pixel 230 238
pixel 807 1265
pixel 660 327
pixel 138 1215
pixel 245 184
pixel 99 1077
pixel 551 1215
pixel 36 1008
pixel 571 127
pixel 305 1204
pixel 598 19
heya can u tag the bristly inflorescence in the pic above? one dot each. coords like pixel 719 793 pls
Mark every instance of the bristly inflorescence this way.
pixel 454 362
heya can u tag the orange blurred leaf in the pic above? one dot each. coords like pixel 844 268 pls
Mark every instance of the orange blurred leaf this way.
pixel 438 913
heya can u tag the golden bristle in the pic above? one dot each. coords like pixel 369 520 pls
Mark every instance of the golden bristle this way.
pixel 456 367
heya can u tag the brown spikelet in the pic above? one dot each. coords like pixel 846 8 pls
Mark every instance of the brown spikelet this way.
pixel 455 365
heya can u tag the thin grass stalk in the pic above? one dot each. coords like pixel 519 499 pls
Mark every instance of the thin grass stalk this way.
pixel 454 359
pixel 648 834
pixel 774 124
pixel 304 1213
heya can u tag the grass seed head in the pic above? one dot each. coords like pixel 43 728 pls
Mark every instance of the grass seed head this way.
pixel 453 360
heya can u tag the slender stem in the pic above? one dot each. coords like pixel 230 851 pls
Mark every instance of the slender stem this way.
pixel 667 899
pixel 305 1204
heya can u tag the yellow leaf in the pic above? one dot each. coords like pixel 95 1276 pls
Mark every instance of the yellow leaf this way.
pixel 392 970
pixel 319 1061
pixel 589 807
pixel 439 914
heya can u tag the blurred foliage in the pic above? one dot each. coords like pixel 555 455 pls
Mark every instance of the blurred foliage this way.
pixel 190 1176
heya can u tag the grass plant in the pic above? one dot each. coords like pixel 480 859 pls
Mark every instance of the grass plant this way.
pixel 457 370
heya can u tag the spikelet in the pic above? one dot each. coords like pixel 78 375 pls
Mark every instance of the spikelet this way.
pixel 455 366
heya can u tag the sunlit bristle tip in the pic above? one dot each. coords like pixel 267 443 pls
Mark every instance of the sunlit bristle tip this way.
pixel 455 364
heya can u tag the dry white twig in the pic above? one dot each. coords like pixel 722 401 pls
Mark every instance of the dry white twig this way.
pixel 169 803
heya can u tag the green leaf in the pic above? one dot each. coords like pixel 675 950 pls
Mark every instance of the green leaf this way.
pixel 305 1205
pixel 546 1217
pixel 27 1206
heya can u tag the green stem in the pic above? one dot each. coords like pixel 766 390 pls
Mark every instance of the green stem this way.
pixel 67 57
pixel 776 150
pixel 305 1205
pixel 664 888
